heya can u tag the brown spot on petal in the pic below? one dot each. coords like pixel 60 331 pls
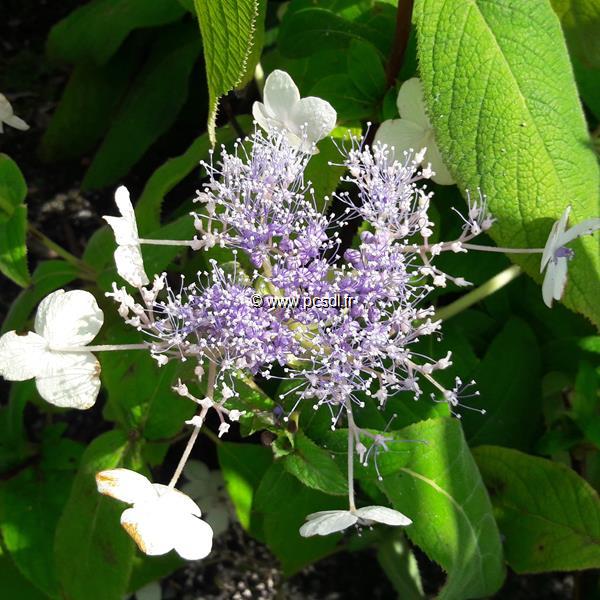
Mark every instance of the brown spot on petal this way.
pixel 132 530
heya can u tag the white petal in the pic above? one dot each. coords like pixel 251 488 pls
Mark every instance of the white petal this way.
pixel 130 265
pixel 442 175
pixel 401 135
pixel 560 278
pixel 192 538
pixel 152 591
pixel 218 519
pixel 280 94
pixel 68 319
pixel 411 103
pixel 328 522
pixel 16 122
pixel 550 247
pixel 382 514
pixel 151 531
pixel 314 114
pixel 585 228
pixel 125 485
pixel 259 112
pixel 174 502
pixel 6 110
pixel 21 356
pixel 69 379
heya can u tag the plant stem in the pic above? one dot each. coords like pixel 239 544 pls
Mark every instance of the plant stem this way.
pixel 396 58
pixel 210 386
pixel 84 268
pixel 351 428
pixel 503 250
pixel 483 291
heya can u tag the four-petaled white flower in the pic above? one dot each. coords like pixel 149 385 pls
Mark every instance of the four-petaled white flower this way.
pixel 208 488
pixel 161 518
pixel 8 116
pixel 556 256
pixel 304 121
pixel 414 130
pixel 326 522
pixel 55 355
pixel 128 255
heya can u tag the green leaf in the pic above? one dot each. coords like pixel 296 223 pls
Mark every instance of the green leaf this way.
pixel 32 502
pixel 13 222
pixel 313 466
pixel 93 555
pixel 89 100
pixel 140 394
pixel 587 83
pixel 300 29
pixel 243 467
pixel 548 515
pixel 513 409
pixel 168 175
pixel 13 188
pixel 343 94
pixel 521 139
pixel 366 70
pixel 400 565
pixel 282 503
pixel 150 106
pixel 581 22
pixel 14 446
pixel 94 32
pixel 440 489
pixel 47 277
pixel 229 31
pixel 14 585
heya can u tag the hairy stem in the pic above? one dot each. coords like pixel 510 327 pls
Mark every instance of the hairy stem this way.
pixel 351 429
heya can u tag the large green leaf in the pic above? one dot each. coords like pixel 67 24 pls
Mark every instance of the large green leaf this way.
pixel 313 466
pixel 150 106
pixel 521 139
pixel 513 409
pixel 229 32
pixel 581 22
pixel 95 31
pixel 281 504
pixel 93 555
pixel 549 516
pixel 439 487
pixel 13 222
pixel 14 585
pixel 85 109
pixel 32 502
pixel 243 467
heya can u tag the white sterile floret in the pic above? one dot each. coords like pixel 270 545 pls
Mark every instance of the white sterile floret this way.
pixel 65 373
pixel 556 256
pixel 208 488
pixel 304 121
pixel 128 255
pixel 413 130
pixel 161 518
pixel 8 116
pixel 326 522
